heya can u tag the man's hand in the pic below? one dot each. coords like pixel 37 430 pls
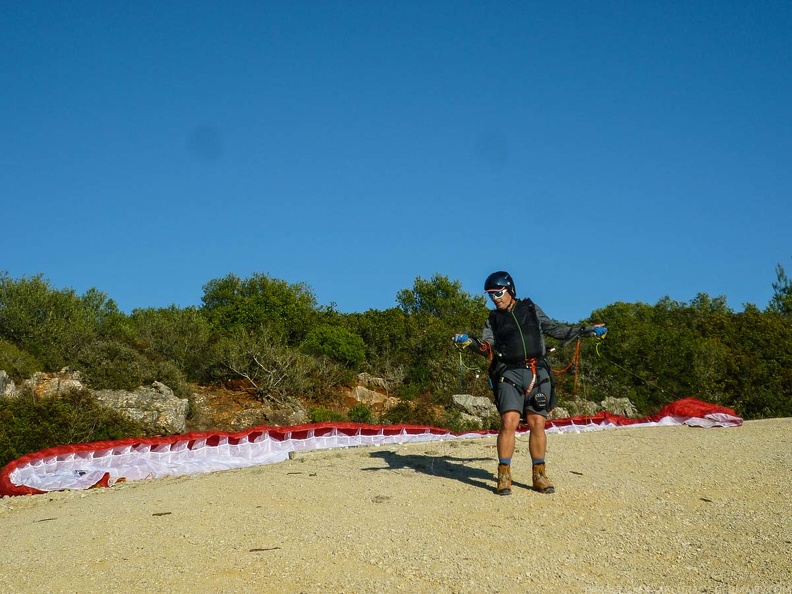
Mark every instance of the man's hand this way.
pixel 462 340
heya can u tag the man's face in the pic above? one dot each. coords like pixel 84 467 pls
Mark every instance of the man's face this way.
pixel 501 298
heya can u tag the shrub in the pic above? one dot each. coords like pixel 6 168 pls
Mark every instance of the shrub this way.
pixel 327 379
pixel 53 325
pixel 18 364
pixel 361 413
pixel 112 365
pixel 337 343
pixel 231 303
pixel 321 414
pixel 169 374
pixel 29 424
pixel 179 335
pixel 418 412
pixel 277 371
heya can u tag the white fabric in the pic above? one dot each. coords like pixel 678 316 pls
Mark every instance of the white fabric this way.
pixel 86 465
pixel 84 469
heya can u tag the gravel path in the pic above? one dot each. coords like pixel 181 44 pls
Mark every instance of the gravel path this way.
pixel 671 509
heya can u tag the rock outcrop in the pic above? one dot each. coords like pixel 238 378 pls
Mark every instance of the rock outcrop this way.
pixel 155 406
pixel 54 384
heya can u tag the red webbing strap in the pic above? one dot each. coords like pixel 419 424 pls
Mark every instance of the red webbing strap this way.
pixel 532 364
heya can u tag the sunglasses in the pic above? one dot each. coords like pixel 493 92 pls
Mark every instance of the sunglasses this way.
pixel 497 294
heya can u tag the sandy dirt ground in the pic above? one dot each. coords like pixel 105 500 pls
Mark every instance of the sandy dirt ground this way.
pixel 667 509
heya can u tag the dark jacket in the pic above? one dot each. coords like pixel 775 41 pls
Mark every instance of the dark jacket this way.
pixel 518 334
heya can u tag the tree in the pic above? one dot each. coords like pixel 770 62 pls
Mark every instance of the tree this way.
pixel 656 354
pixel 384 335
pixel 444 299
pixel 277 372
pixel 287 309
pixel 436 309
pixel 54 325
pixel 782 293
pixel 336 342
pixel 760 381
pixel 179 335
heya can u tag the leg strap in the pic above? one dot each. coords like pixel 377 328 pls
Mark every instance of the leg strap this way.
pixel 531 364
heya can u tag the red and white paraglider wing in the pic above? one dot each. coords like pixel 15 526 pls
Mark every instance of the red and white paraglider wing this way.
pixel 86 465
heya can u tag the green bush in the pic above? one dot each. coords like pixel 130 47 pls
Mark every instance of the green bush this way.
pixel 182 336
pixel 277 371
pixel 169 374
pixel 327 379
pixel 361 413
pixel 18 364
pixel 111 365
pixel 321 414
pixel 260 301
pixel 337 343
pixel 418 412
pixel 408 392
pixel 54 325
pixel 29 424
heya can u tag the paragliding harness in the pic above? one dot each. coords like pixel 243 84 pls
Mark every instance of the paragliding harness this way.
pixel 542 397
pixel 497 364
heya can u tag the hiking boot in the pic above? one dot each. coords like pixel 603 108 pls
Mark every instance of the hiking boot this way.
pixel 540 481
pixel 504 479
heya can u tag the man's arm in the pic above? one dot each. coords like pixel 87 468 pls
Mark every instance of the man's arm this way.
pixel 560 331
pixel 481 346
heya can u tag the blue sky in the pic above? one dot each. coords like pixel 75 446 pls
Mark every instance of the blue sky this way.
pixel 599 151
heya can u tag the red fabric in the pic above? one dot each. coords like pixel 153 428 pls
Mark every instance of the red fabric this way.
pixel 682 411
pixel 694 408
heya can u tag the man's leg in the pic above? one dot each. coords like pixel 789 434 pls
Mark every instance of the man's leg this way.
pixel 510 420
pixel 537 446
pixel 537 440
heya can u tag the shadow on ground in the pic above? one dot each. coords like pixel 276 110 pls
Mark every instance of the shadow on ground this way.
pixel 443 467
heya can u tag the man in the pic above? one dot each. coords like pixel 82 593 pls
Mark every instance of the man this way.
pixel 513 340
